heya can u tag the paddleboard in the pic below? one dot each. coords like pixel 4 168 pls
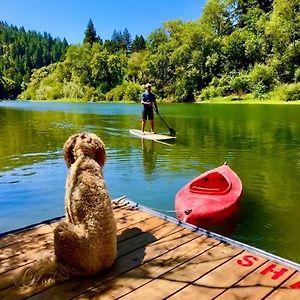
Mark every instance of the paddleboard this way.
pixel 151 136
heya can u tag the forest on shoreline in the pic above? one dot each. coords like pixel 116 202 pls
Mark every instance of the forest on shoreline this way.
pixel 237 49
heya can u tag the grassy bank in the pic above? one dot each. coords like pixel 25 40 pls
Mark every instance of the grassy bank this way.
pixel 269 98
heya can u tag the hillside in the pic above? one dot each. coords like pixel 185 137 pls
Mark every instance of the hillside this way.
pixel 22 51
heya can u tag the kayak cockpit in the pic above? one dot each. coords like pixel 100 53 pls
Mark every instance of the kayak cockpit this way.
pixel 212 183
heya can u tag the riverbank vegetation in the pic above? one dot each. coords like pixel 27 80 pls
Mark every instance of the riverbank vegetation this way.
pixel 21 52
pixel 236 48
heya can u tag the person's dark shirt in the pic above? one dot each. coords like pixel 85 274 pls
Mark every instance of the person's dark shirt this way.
pixel 149 98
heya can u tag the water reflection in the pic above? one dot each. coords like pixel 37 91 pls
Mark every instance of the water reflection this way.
pixel 149 158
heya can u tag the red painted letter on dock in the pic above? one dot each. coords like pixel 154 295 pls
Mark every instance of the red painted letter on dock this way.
pixel 246 260
pixel 295 285
pixel 277 274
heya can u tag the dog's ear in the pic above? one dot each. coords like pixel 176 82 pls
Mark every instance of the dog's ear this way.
pixel 68 149
pixel 100 156
pixel 98 148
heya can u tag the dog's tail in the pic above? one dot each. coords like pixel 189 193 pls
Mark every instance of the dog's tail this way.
pixel 43 272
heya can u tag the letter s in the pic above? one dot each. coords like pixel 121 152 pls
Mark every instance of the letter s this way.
pixel 247 260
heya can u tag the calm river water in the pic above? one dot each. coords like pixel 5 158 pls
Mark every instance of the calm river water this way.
pixel 260 142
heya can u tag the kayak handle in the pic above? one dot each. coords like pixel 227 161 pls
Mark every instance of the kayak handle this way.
pixel 188 211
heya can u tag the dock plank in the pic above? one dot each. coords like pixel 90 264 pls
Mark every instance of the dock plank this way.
pixel 217 281
pixel 174 280
pixel 25 236
pixel 259 283
pixel 290 289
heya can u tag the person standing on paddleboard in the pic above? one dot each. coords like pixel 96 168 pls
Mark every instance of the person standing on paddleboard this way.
pixel 149 101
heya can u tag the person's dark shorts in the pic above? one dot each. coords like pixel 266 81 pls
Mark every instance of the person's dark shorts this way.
pixel 147 114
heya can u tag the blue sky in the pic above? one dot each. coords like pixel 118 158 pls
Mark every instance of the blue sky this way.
pixel 69 18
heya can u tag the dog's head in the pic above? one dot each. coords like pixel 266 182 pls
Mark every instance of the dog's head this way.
pixel 88 144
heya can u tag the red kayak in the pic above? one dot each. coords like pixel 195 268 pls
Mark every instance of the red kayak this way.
pixel 209 198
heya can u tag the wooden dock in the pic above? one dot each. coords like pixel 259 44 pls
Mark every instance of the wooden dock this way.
pixel 158 258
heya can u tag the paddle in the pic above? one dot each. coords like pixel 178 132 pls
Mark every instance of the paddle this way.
pixel 172 131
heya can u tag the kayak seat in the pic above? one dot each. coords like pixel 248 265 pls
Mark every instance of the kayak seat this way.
pixel 213 183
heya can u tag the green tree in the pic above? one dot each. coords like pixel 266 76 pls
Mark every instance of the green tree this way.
pixel 120 41
pixel 127 40
pixel 90 35
pixel 216 18
pixel 136 67
pixel 239 9
pixel 138 44
pixel 284 25
pixel 283 30
pixel 241 50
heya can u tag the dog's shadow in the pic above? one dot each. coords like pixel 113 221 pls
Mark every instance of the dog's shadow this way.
pixel 132 243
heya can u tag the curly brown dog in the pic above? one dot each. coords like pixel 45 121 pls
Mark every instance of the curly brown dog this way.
pixel 86 242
